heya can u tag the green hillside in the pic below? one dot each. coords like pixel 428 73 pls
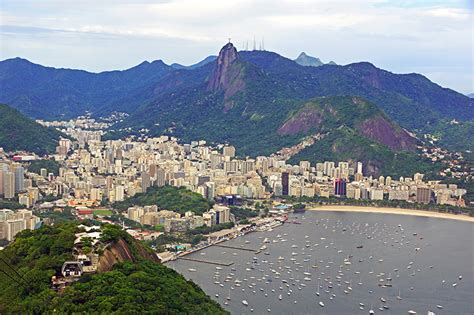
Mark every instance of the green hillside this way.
pixel 345 144
pixel 137 287
pixel 18 132
pixel 171 198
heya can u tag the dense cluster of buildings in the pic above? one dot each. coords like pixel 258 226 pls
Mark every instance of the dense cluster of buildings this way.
pixel 13 222
pixel 173 222
pixel 94 171
pixel 114 170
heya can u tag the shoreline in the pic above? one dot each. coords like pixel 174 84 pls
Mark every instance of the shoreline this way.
pixel 399 211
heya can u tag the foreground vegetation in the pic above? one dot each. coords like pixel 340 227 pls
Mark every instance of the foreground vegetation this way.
pixel 141 286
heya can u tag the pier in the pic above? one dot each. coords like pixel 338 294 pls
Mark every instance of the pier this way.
pixel 208 261
pixel 238 248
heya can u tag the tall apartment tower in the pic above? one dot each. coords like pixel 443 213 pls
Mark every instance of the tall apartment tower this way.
pixel 145 181
pixel 9 185
pixel 340 187
pixel 423 195
pixel 285 183
pixel 19 179
pixel 160 177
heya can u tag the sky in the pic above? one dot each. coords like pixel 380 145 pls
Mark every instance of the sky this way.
pixel 432 37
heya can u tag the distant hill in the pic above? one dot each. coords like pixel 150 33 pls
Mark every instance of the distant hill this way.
pixel 197 65
pixel 129 278
pixel 46 92
pixel 18 132
pixel 255 88
pixel 471 95
pixel 306 60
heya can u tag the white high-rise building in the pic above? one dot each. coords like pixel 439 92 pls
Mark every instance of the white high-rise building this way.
pixel 8 185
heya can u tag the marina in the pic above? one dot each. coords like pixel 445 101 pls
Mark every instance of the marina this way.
pixel 342 263
pixel 237 248
pixel 207 262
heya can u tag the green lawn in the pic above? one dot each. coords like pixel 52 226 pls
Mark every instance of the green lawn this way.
pixel 103 212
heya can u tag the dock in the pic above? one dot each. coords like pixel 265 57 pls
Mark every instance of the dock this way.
pixel 208 261
pixel 238 248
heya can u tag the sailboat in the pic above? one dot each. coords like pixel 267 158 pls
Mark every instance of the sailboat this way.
pixel 399 297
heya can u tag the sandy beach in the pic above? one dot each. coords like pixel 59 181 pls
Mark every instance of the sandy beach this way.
pixel 368 209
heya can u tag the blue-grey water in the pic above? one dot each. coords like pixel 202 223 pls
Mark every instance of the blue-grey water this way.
pixel 434 259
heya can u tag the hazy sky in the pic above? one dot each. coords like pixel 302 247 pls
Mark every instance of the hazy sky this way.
pixel 431 37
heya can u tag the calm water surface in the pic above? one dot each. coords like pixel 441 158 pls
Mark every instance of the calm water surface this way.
pixel 430 255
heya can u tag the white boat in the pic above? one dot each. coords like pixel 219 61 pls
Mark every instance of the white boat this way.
pixel 192 269
pixel 439 306
pixel 280 297
pixel 411 312
pixel 244 302
pixel 321 304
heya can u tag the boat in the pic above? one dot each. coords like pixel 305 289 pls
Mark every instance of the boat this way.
pixel 321 304
pixel 399 297
pixel 192 270
pixel 439 306
pixel 411 312
pixel 244 302
pixel 280 297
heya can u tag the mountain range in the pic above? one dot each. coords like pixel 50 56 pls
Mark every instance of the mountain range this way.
pixel 257 100
pixel 306 60
pixel 18 133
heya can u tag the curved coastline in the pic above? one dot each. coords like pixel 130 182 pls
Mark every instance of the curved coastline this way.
pixel 400 211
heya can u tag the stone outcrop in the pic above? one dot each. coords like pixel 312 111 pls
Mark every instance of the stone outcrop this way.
pixel 120 251
pixel 382 131
pixel 228 74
